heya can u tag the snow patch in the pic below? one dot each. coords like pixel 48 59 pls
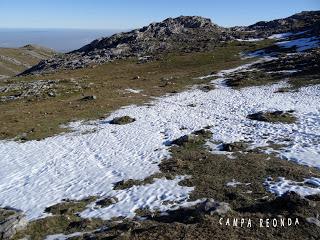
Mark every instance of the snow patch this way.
pixel 301 44
pixel 280 35
pixel 250 40
pixel 64 237
pixel 285 35
pixel 150 196
pixel 304 188
pixel 235 183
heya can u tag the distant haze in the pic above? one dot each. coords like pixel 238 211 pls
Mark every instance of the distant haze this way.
pixel 62 40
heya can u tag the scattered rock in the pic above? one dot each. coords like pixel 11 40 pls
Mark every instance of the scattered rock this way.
pixel 144 59
pixel 213 207
pixel 122 120
pixel 11 221
pixel 186 139
pixel 204 133
pixel 89 98
pixel 192 105
pixel 206 88
pixel 107 202
pixel 51 94
pixel 195 137
pixel 232 147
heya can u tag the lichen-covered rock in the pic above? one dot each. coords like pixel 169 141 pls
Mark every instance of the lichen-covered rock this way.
pixel 231 147
pixel 214 207
pixel 88 98
pixel 195 137
pixel 11 221
pixel 122 120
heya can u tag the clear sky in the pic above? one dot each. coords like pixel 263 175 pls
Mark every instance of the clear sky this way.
pixel 128 14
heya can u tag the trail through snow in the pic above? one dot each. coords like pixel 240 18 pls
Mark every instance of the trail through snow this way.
pixel 88 161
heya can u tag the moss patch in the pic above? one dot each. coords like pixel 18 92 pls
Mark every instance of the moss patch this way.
pixel 274 117
pixel 68 207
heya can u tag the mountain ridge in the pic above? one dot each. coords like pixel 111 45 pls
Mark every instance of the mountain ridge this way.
pixel 182 34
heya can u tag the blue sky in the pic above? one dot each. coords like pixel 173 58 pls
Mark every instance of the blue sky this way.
pixel 126 14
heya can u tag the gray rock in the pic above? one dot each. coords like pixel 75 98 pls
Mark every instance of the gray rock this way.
pixel 213 207
pixel 206 88
pixel 11 221
pixel 313 220
pixel 122 120
pixel 231 147
pixel 192 138
pixel 88 98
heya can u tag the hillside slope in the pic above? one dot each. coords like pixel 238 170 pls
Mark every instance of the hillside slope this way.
pixel 15 60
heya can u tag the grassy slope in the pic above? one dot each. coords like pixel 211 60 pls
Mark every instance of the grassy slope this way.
pixel 26 56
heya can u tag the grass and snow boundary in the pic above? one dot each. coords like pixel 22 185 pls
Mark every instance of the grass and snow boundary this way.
pixel 97 154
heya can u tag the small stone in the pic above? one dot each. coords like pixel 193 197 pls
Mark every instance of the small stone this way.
pixel 88 98
pixel 213 207
pixel 107 202
pixel 231 147
pixel 186 139
pixel 122 120
pixel 51 94
pixel 206 88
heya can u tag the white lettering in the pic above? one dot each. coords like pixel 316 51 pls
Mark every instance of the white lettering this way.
pixel 267 222
pixel 249 223
pixel 274 222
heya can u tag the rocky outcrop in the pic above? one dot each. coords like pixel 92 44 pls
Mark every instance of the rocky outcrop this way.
pixel 297 22
pixel 306 20
pixel 181 34
pixel 11 220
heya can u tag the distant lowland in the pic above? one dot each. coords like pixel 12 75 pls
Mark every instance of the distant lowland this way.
pixel 60 40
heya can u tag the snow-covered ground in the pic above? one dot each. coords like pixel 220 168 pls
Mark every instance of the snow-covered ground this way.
pixel 88 161
pixel 302 44
pixel 285 35
pixel 280 35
